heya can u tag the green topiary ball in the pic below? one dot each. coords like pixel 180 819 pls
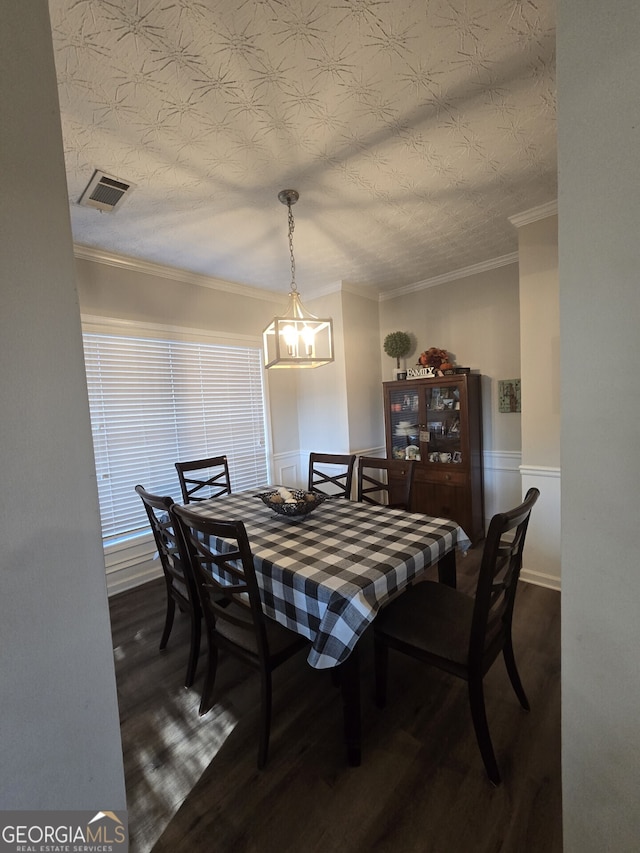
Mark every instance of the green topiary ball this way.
pixel 397 345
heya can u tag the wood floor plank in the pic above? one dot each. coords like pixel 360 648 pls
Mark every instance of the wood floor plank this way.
pixel 193 785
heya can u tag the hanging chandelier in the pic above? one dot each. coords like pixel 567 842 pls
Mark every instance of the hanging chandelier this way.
pixel 297 338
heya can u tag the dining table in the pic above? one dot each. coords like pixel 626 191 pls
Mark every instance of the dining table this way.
pixel 325 575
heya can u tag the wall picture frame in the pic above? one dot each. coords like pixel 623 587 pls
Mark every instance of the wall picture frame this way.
pixel 509 395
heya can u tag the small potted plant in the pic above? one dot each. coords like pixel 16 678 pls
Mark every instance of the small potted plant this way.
pixel 397 345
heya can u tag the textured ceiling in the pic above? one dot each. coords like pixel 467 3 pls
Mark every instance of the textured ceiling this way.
pixel 412 130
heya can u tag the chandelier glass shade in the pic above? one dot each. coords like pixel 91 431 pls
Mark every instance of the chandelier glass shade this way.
pixel 297 338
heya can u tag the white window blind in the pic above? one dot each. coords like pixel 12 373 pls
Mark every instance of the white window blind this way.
pixel 155 402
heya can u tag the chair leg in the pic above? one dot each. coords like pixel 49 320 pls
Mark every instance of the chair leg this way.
pixel 381 660
pixel 206 702
pixel 514 676
pixel 479 717
pixel 194 650
pixel 168 622
pixel 265 717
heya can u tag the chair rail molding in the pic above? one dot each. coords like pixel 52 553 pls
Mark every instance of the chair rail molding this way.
pixel 540 471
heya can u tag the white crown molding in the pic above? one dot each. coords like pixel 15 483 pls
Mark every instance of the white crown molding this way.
pixel 327 290
pixel 343 287
pixel 485 266
pixel 99 256
pixel 365 293
pixel 117 326
pixel 541 212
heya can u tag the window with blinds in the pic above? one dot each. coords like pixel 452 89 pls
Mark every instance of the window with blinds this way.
pixel 154 402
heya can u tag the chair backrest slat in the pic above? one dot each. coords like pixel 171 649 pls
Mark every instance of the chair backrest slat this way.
pixel 385 481
pixel 213 482
pixel 324 478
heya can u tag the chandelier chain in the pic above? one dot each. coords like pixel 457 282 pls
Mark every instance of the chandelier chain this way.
pixel 293 261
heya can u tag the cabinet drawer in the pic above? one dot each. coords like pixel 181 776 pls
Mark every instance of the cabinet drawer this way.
pixel 451 478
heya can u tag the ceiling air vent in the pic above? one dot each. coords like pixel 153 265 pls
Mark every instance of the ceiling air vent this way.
pixel 104 192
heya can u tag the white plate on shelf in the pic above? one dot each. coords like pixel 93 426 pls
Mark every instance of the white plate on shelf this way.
pixel 406 428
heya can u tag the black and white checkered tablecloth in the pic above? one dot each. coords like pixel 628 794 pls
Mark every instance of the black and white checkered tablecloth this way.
pixel 326 575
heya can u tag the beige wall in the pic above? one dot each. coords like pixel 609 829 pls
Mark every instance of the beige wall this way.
pixel 127 292
pixel 477 320
pixel 322 404
pixel 363 377
pixel 540 357
pixel 599 212
pixel 540 342
pixel 59 727
pixel 339 405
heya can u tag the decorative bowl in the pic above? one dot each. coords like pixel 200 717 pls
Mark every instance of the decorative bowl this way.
pixel 293 503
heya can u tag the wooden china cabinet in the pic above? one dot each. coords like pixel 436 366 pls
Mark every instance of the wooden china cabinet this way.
pixel 438 422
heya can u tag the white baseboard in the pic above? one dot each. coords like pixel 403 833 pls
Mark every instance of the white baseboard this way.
pixel 540 579
pixel 123 580
pixel 131 563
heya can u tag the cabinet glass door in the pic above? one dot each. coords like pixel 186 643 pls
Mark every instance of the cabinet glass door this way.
pixel 440 435
pixel 405 431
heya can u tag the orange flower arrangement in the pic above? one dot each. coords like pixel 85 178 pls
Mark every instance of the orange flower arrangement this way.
pixel 434 357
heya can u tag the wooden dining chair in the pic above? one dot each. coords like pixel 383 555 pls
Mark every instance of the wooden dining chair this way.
pixel 230 600
pixel 461 634
pixel 213 479
pixel 331 473
pixel 179 580
pixel 385 481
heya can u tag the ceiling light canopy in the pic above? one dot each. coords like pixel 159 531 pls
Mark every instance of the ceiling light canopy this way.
pixel 298 338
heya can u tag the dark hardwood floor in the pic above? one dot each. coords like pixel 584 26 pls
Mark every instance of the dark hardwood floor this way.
pixel 193 785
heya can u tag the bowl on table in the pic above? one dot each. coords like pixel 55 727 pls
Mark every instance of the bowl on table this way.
pixel 292 503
